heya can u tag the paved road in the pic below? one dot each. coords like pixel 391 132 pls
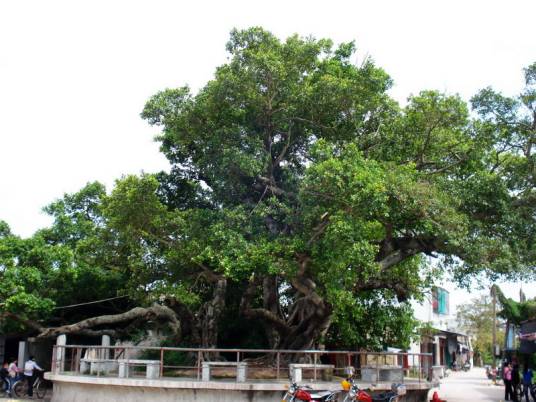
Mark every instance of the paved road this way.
pixel 470 387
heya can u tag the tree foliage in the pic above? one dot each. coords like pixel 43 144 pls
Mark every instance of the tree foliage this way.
pixel 303 200
pixel 476 319
pixel 515 312
pixel 335 192
pixel 68 263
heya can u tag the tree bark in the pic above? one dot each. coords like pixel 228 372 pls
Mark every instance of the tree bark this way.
pixel 271 304
pixel 306 322
pixel 86 327
pixel 210 314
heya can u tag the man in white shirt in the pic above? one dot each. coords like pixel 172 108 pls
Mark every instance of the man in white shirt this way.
pixel 29 367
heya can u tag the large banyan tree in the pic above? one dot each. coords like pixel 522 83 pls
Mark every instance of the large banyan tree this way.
pixel 304 204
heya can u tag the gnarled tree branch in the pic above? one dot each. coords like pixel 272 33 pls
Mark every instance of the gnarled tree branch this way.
pixel 85 327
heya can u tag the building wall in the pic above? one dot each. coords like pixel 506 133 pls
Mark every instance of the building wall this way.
pixel 424 312
pixel 84 392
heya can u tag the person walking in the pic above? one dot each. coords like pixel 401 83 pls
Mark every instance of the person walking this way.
pixel 527 382
pixel 507 379
pixel 29 374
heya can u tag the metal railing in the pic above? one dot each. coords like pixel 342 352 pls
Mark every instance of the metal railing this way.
pixel 262 364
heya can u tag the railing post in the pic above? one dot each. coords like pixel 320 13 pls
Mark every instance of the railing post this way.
pixel 71 366
pixel 314 368
pixel 98 364
pixel 421 368
pixel 77 360
pixel 61 341
pixel 127 358
pixel 161 362
pixel 377 368
pixel 277 369
pixel 54 369
pixel 198 365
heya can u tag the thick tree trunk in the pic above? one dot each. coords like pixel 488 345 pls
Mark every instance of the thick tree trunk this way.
pixel 210 315
pixel 312 326
pixel 306 321
pixel 270 296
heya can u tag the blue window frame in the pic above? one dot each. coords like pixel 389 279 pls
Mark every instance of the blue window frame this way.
pixel 440 301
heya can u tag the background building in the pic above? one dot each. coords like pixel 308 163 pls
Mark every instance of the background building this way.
pixel 440 335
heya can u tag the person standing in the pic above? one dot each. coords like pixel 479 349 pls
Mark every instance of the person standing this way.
pixel 515 382
pixel 527 382
pixel 507 379
pixel 29 373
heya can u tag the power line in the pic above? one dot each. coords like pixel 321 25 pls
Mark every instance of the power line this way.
pixel 91 302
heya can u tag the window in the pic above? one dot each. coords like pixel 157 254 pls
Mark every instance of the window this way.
pixel 440 301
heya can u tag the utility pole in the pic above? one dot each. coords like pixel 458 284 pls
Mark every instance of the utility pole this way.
pixel 494 329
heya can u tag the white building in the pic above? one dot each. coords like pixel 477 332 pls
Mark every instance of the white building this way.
pixel 441 336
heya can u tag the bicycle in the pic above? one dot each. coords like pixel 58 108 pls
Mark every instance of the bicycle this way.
pixel 20 387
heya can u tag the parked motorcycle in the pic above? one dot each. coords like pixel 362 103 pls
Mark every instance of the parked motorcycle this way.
pixel 299 393
pixel 357 394
pixel 466 367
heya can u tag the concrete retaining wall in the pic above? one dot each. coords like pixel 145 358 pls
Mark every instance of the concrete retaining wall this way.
pixel 73 392
pixel 76 388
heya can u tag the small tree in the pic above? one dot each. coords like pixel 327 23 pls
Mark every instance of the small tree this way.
pixel 476 319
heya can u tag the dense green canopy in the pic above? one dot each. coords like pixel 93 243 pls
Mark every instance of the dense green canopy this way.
pixel 303 203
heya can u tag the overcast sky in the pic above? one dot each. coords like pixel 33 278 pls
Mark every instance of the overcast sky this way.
pixel 74 75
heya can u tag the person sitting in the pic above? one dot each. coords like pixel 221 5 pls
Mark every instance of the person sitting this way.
pixel 14 374
pixel 4 377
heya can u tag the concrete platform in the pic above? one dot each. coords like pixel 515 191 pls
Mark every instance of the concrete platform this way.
pixel 80 388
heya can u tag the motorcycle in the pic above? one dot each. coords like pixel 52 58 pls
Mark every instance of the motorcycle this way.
pixel 357 394
pixel 299 393
pixel 466 367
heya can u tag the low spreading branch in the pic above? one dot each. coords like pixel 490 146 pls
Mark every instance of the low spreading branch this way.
pixel 86 327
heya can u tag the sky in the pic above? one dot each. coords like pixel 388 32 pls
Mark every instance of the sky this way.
pixel 74 75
